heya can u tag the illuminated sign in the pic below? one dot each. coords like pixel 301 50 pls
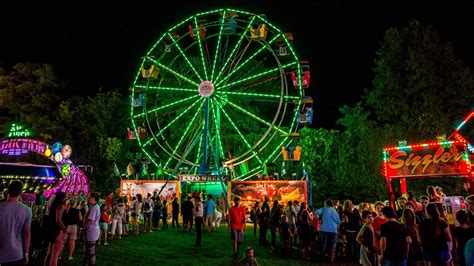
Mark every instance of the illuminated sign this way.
pixel 431 159
pixel 17 147
pixel 201 178
pixel 18 131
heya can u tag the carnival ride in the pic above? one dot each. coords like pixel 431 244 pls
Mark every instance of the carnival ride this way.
pixel 215 92
pixel 71 179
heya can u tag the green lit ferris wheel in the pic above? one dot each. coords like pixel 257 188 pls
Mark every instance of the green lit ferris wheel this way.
pixel 218 93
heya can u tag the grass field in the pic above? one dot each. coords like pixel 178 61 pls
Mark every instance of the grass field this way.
pixel 175 247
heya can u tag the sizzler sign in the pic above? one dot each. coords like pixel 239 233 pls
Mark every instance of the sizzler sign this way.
pixel 429 160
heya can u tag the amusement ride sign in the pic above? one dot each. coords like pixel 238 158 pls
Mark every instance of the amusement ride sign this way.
pixel 432 159
pixel 202 178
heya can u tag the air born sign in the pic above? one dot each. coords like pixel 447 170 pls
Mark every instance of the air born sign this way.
pixel 428 161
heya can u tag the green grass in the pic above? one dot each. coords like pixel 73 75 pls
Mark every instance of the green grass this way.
pixel 175 247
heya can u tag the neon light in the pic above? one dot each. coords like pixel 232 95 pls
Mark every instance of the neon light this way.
pixel 159 88
pixel 262 95
pixel 165 106
pixel 240 133
pixel 18 131
pixel 255 76
pixel 246 61
pixel 200 47
pixel 185 57
pixel 254 116
pixel 173 72
pixel 235 49
pixel 218 45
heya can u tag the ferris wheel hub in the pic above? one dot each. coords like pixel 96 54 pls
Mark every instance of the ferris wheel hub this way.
pixel 206 88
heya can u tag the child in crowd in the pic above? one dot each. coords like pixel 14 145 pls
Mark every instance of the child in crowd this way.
pixel 104 223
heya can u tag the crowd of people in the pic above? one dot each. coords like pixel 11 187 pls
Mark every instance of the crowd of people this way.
pixel 410 232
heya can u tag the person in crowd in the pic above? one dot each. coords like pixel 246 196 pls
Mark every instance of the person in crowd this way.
pixel 223 205
pixel 401 202
pixel 470 209
pixel 126 218
pixel 436 238
pixel 198 214
pixel 352 221
pixel 415 253
pixel 187 213
pixel 147 213
pixel 433 196
pixel 254 214
pixel 421 213
pixel 365 238
pixel 275 216
pixel 55 229
pixel 469 252
pixel 208 212
pixel 236 225
pixel 72 217
pixel 104 222
pixel 91 228
pixel 249 259
pixel 216 220
pixel 108 202
pixel 203 196
pixel 412 199
pixel 39 204
pixel 15 223
pixel 329 228
pixel 462 234
pixel 118 212
pixel 394 241
pixel 337 203
pixel 290 214
pixel 137 209
pixel 165 215
pixel 304 224
pixel 175 213
pixel 263 220
pixel 439 191
pixel 378 220
pixel 285 235
pixel 157 209
pixel 364 206
pixel 467 188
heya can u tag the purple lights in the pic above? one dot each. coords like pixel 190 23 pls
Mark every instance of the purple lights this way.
pixel 73 179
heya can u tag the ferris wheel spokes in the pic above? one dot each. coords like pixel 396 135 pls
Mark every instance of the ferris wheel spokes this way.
pixel 185 133
pixel 161 88
pixel 154 110
pixel 239 66
pixel 239 132
pixel 174 72
pixel 243 110
pixel 185 57
pixel 259 95
pixel 266 72
pixel 242 37
pixel 204 65
pixel 218 44
pixel 176 119
pixel 217 122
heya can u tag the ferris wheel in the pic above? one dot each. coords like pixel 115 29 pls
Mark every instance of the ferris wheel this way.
pixel 218 93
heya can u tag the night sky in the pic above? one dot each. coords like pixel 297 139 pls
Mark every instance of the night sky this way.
pixel 97 46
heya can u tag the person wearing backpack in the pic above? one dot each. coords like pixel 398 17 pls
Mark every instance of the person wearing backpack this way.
pixel 147 212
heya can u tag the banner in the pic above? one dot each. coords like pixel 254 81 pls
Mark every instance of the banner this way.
pixel 283 191
pixel 130 188
pixel 433 159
